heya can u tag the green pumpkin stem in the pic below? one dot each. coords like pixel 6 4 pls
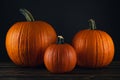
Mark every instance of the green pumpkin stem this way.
pixel 92 24
pixel 27 14
pixel 60 40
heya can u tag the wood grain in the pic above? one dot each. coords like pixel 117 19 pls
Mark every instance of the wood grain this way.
pixel 10 71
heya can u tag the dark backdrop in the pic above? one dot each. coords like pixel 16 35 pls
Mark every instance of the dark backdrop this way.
pixel 66 16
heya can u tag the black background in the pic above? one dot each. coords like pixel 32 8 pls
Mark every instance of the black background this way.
pixel 66 16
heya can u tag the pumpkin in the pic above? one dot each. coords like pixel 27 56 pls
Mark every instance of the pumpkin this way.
pixel 94 48
pixel 60 57
pixel 26 41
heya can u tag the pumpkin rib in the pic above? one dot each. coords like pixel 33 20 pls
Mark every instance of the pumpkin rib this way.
pixel 22 45
pixel 86 52
pixel 26 44
pixel 102 47
pixel 97 46
pixel 75 41
pixel 68 57
pixel 112 48
pixel 12 37
pixel 82 53
pixel 54 50
pixel 94 49
pixel 98 49
pixel 108 40
pixel 28 50
pixel 57 60
pixel 84 48
pixel 19 42
pixel 26 53
pixel 49 58
pixel 91 49
pixel 102 38
pixel 8 43
pixel 60 62
pixel 19 57
pixel 107 48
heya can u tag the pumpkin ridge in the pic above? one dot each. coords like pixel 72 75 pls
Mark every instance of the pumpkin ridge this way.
pixel 108 39
pixel 103 48
pixel 85 47
pixel 19 41
pixel 9 33
pixel 96 64
pixel 100 41
pixel 59 59
pixel 55 57
pixel 51 50
pixel 88 48
pixel 27 46
pixel 69 57
pixel 81 59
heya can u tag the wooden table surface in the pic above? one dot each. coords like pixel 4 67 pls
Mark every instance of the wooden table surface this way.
pixel 9 71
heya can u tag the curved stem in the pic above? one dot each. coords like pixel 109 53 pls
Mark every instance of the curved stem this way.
pixel 92 24
pixel 27 14
pixel 60 40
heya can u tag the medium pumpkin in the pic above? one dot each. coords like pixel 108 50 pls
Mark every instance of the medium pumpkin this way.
pixel 26 41
pixel 94 48
pixel 60 58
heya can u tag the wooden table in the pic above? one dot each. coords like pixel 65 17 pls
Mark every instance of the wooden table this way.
pixel 10 71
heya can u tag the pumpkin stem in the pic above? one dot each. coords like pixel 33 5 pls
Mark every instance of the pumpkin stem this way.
pixel 60 40
pixel 27 14
pixel 92 24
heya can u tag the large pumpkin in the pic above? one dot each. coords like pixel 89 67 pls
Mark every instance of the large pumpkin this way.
pixel 94 48
pixel 26 41
pixel 60 58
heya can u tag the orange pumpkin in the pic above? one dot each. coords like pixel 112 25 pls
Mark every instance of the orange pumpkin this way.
pixel 26 41
pixel 94 48
pixel 60 58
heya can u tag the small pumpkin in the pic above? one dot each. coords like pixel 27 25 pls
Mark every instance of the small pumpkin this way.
pixel 60 57
pixel 26 41
pixel 94 48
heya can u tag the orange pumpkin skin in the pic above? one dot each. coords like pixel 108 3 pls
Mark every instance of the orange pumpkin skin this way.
pixel 27 41
pixel 94 48
pixel 60 58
